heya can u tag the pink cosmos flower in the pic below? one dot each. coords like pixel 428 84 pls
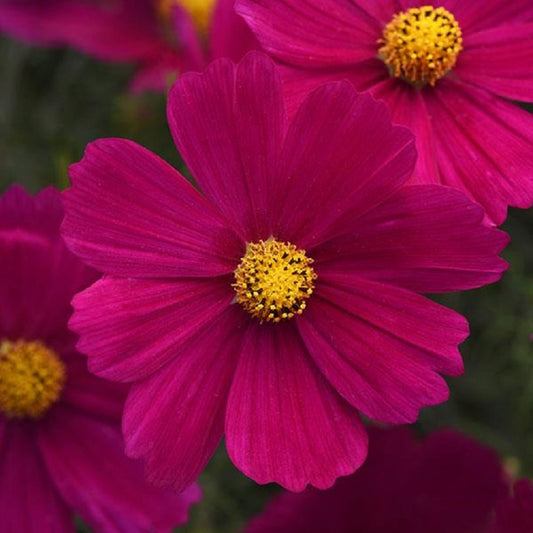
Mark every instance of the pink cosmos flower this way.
pixel 284 299
pixel 447 483
pixel 446 70
pixel 61 451
pixel 164 37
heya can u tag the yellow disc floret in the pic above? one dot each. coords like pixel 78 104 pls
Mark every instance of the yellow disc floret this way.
pixel 200 11
pixel 31 378
pixel 421 44
pixel 273 280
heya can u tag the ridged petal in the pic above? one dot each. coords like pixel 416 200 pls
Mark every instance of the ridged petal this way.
pixel 175 419
pixel 128 213
pixel 86 458
pixel 229 124
pixel 130 328
pixel 284 423
pixel 425 238
pixel 382 348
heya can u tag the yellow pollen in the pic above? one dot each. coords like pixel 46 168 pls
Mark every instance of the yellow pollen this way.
pixel 200 11
pixel 273 280
pixel 31 378
pixel 421 44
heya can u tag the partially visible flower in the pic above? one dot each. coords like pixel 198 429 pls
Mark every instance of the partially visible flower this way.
pixel 61 451
pixel 285 299
pixel 446 483
pixel 445 68
pixel 164 37
pixel 515 513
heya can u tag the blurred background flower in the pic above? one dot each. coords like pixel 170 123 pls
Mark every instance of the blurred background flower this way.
pixel 444 483
pixel 162 37
pixel 61 448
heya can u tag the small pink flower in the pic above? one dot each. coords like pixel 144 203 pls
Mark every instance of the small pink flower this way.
pixel 446 71
pixel 61 451
pixel 446 483
pixel 284 299
pixel 164 37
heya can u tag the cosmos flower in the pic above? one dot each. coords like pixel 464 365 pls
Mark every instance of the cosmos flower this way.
pixel 164 37
pixel 446 70
pixel 284 299
pixel 61 451
pixel 446 483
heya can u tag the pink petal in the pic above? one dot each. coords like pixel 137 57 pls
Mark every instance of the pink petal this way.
pixel 284 423
pixel 3 429
pixel 175 419
pixel 299 82
pixel 128 33
pixel 228 124
pixel 131 328
pixel 158 74
pixel 28 499
pixel 308 33
pixel 483 146
pixel 86 459
pixel 500 60
pixel 39 274
pixel 327 176
pixel 382 347
pixel 129 213
pixel 229 36
pixel 424 238
pixel 476 16
pixel 190 44
pixel 408 108
pixel 92 395
pixel 515 513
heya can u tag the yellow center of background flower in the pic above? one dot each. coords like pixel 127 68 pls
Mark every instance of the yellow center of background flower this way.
pixel 200 11
pixel 421 44
pixel 31 378
pixel 273 280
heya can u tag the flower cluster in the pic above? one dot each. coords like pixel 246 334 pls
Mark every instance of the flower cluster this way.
pixel 282 298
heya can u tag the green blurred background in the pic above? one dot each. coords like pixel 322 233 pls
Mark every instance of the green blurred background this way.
pixel 53 102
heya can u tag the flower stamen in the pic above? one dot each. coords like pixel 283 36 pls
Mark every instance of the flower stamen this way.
pixel 273 280
pixel 421 44
pixel 32 377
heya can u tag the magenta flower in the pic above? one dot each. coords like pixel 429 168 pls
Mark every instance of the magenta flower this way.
pixel 446 70
pixel 446 483
pixel 515 513
pixel 164 37
pixel 61 451
pixel 283 300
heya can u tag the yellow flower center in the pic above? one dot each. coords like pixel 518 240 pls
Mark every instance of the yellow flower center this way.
pixel 273 280
pixel 200 11
pixel 421 44
pixel 31 378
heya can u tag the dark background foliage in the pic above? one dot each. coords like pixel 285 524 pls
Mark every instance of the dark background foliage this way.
pixel 53 102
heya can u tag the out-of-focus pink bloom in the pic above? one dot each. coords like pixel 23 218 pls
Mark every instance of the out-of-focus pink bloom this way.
pixel 446 483
pixel 447 71
pixel 515 513
pixel 61 451
pixel 164 37
pixel 285 298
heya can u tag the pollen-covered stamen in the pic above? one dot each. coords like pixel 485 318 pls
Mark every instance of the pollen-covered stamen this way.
pixel 31 378
pixel 200 11
pixel 421 44
pixel 273 280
